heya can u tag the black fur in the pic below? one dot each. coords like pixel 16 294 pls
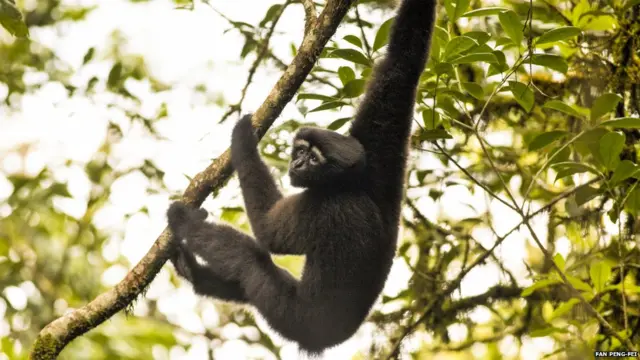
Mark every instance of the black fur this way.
pixel 345 222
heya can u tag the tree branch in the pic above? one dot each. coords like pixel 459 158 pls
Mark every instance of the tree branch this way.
pixel 310 16
pixel 55 336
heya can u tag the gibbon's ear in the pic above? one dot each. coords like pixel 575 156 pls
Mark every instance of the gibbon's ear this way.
pixel 345 151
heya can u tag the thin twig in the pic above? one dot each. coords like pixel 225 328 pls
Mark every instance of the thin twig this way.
pixel 367 47
pixel 483 186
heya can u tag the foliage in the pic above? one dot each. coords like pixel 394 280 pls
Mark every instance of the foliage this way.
pixel 532 106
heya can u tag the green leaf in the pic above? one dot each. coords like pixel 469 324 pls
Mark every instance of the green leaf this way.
pixel 541 284
pixel 633 203
pixel 352 39
pixel 558 34
pixel 623 171
pixel 604 104
pixel 271 14
pixel 456 8
pixel 579 284
pixel 611 146
pixel 444 68
pixel 553 62
pixel 600 273
pixel 458 45
pixel 346 74
pixel 114 76
pixel 624 123
pixel 522 94
pixel 247 48
pixel 60 189
pixel 480 49
pixel 337 124
pixel 480 36
pixel 560 154
pixel 564 308
pixel 382 36
pixel 562 107
pixel 502 41
pixel 11 19
pixel 512 26
pixel 308 96
pixel 88 55
pixel 328 105
pixel 545 139
pixel 569 168
pixel 472 58
pixel 559 260
pixel 431 135
pixel 584 193
pixel 474 89
pixel 354 88
pixel 430 119
pixel 351 55
pixel 501 66
pixel 484 12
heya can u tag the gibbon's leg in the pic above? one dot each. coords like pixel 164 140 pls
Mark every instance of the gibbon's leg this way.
pixel 315 320
pixel 205 282
pixel 259 189
pixel 220 248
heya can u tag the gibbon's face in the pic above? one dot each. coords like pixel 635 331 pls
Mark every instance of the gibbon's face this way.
pixel 307 163
pixel 324 158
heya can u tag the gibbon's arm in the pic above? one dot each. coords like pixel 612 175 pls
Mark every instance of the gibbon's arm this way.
pixel 383 121
pixel 259 189
pixel 260 192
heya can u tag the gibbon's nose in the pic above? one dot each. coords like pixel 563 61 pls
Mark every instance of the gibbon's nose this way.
pixel 298 164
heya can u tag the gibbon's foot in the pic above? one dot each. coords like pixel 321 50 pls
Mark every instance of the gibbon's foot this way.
pixel 226 251
pixel 202 277
pixel 181 216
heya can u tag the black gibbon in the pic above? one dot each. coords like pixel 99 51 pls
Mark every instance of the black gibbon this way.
pixel 345 221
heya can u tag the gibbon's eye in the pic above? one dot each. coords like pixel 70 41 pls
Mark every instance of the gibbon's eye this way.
pixel 313 159
pixel 299 153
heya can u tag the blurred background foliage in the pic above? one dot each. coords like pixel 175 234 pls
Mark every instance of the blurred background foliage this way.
pixel 531 107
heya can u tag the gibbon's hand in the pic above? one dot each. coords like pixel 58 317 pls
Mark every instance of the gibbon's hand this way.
pixel 243 139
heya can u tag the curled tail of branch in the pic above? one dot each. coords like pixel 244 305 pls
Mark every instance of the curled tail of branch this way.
pixel 181 217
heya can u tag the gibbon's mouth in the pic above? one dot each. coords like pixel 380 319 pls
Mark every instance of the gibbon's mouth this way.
pixel 293 174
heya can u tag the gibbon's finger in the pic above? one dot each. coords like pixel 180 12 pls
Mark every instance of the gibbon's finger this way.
pixel 244 129
pixel 243 141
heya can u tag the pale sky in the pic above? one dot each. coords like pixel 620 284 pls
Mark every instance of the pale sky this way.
pixel 186 48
